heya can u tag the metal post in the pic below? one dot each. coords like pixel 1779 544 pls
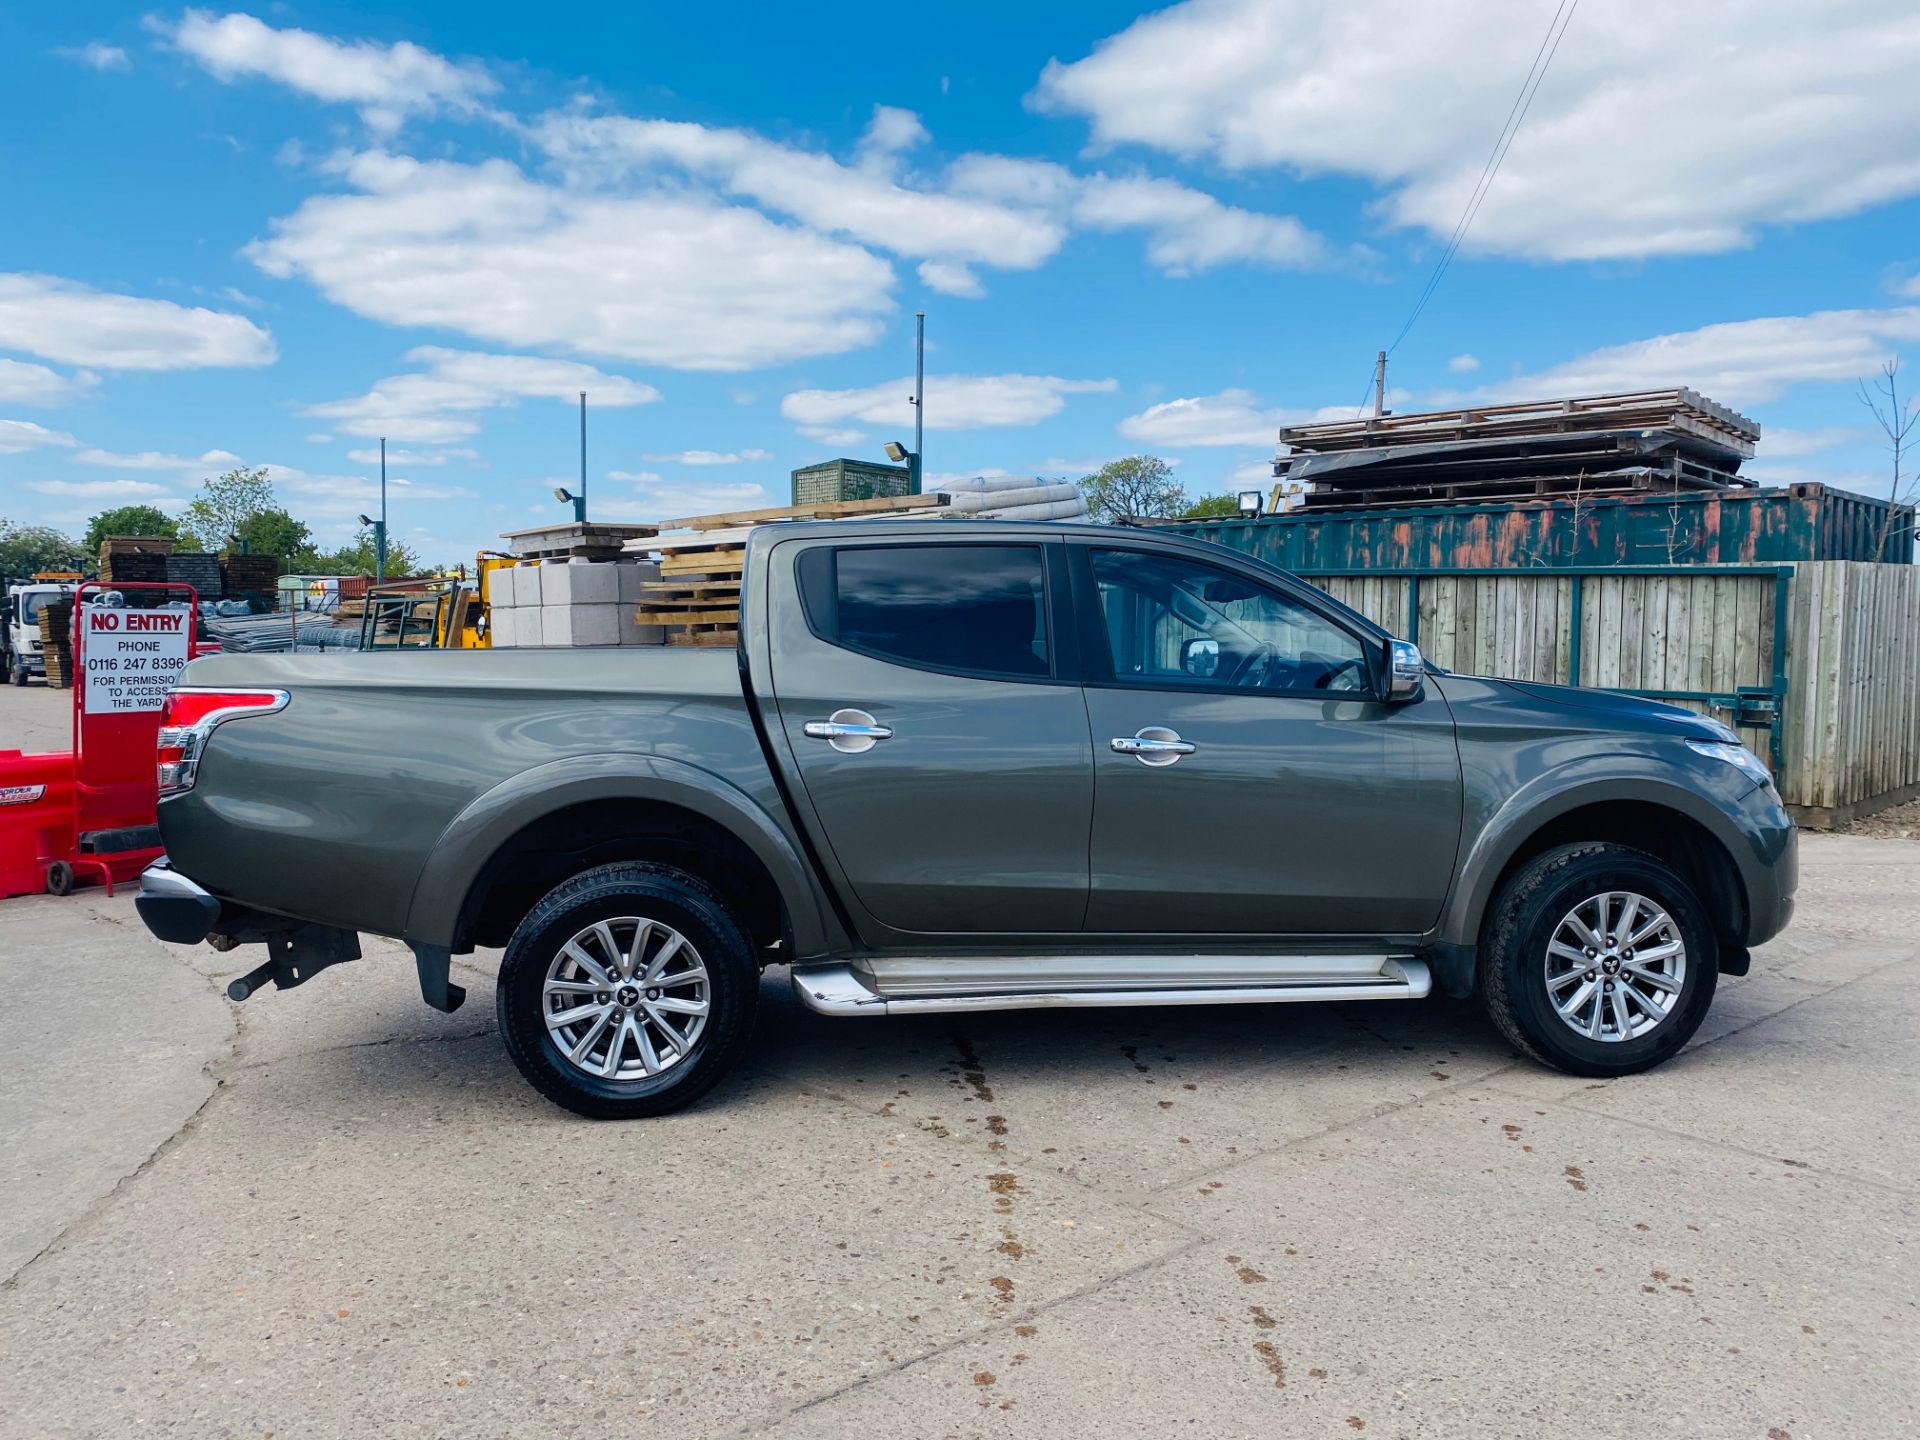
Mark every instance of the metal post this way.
pixel 380 530
pixel 1379 384
pixel 580 500
pixel 919 391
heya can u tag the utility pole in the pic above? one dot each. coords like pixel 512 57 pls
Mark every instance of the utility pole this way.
pixel 1379 383
pixel 380 531
pixel 919 390
pixel 580 500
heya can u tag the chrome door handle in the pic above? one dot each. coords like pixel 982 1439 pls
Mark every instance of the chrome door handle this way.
pixel 1153 745
pixel 849 731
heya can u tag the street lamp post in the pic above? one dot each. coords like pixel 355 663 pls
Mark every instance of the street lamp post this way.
pixel 380 530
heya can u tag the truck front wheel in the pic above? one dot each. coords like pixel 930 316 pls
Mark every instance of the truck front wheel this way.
pixel 628 991
pixel 1598 959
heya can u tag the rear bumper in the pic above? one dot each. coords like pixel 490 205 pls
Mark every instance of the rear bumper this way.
pixel 173 907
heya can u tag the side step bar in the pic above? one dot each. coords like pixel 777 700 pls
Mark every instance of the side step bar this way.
pixel 840 989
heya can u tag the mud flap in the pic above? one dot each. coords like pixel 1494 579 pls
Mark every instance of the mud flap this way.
pixel 433 962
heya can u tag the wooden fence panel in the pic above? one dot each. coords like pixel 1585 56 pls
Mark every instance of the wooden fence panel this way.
pixel 1850 729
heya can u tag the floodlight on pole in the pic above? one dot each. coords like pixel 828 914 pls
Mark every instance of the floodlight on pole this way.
pixel 1252 502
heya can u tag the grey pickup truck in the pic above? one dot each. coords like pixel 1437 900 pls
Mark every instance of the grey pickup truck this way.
pixel 970 766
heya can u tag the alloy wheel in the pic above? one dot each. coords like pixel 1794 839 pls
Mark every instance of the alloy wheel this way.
pixel 1615 967
pixel 626 999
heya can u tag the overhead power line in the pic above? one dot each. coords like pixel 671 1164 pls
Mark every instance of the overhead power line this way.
pixel 1516 116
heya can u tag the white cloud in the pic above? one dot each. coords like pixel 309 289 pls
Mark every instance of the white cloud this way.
pixel 387 82
pixel 397 456
pixel 22 383
pixel 1907 287
pixel 954 402
pixel 212 460
pixel 637 477
pixel 671 500
pixel 709 457
pixel 1793 112
pixel 17 436
pixel 104 489
pixel 950 277
pixel 1233 417
pixel 865 201
pixel 97 55
pixel 833 435
pixel 664 278
pixel 1188 231
pixel 1463 365
pixel 438 404
pixel 1740 362
pixel 68 322
pixel 1777 442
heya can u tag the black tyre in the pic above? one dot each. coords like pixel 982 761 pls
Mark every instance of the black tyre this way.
pixel 629 991
pixel 1598 959
pixel 19 675
pixel 60 878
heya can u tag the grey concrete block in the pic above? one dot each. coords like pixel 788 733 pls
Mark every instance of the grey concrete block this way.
pixel 580 583
pixel 579 625
pixel 633 575
pixel 503 625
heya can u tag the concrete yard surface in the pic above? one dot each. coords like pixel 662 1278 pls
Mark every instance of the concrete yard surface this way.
pixel 332 1211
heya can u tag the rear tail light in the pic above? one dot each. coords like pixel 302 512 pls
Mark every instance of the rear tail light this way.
pixel 189 718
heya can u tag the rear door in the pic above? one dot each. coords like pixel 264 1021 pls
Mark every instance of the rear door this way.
pixel 1247 777
pixel 937 729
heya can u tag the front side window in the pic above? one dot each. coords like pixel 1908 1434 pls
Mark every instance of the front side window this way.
pixel 974 609
pixel 1169 620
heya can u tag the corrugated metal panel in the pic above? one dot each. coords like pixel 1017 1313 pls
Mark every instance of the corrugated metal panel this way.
pixel 1736 527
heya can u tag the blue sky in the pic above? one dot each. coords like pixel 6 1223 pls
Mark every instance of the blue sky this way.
pixel 273 236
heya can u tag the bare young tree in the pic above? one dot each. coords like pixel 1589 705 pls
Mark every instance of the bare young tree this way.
pixel 1896 420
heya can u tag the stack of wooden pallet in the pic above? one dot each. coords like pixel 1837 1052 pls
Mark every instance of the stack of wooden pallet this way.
pixel 697 597
pixel 56 642
pixel 253 578
pixel 135 559
pixel 1600 444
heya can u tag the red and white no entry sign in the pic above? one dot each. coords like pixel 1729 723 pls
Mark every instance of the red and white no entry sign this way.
pixel 130 659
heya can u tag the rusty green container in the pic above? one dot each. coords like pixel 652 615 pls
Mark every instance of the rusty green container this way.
pixel 1730 527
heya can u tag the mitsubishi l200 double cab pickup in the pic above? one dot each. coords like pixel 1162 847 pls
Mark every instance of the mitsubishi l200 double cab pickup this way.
pixel 963 766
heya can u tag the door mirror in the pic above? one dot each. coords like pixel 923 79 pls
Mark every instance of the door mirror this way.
pixel 1200 658
pixel 1406 670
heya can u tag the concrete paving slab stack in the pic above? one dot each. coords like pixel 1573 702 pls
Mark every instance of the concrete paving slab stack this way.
pixel 572 604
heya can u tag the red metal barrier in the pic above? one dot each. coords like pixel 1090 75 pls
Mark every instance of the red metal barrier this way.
pixel 89 812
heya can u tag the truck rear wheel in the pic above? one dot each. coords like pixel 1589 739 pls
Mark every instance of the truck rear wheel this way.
pixel 628 991
pixel 1598 960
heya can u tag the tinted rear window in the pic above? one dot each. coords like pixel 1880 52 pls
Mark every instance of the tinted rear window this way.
pixel 977 609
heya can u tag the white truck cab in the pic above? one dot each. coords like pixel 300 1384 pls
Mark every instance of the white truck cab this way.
pixel 23 604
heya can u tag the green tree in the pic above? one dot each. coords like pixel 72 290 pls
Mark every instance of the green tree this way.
pixel 356 559
pixel 1212 507
pixel 224 504
pixel 1139 487
pixel 274 532
pixel 128 520
pixel 25 549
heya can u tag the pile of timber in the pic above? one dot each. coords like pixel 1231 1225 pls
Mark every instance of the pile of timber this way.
pixel 1651 440
pixel 56 642
pixel 697 597
pixel 135 559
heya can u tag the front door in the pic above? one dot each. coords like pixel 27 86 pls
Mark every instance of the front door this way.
pixel 969 814
pixel 1247 777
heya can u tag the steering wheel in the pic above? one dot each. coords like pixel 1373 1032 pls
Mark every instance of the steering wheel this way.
pixel 1243 673
pixel 1345 667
